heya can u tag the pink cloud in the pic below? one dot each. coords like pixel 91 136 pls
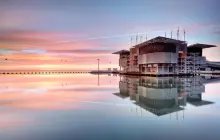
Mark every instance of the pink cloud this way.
pixel 27 49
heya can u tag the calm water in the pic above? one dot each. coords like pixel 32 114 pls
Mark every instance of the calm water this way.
pixel 83 106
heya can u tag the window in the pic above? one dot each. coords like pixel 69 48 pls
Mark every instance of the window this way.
pixel 170 69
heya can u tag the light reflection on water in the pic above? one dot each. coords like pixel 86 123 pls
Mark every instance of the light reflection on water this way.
pixel 83 106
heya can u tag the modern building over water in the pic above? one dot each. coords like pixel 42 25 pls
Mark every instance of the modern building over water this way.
pixel 163 56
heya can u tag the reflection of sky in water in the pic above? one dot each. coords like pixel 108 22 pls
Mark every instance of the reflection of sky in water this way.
pixel 75 107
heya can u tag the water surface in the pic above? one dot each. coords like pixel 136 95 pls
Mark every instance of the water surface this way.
pixel 84 106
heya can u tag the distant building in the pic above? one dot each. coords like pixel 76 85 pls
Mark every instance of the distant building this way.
pixel 124 61
pixel 162 56
pixel 195 60
pixel 115 70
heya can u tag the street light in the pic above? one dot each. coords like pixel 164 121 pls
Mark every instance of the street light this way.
pixel 98 65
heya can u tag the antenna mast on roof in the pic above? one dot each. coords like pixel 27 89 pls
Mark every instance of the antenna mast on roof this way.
pixel 131 40
pixel 165 34
pixel 136 39
pixel 178 33
pixel 184 32
pixel 171 34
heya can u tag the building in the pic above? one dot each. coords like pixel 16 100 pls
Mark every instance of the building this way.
pixel 162 56
pixel 195 60
pixel 124 61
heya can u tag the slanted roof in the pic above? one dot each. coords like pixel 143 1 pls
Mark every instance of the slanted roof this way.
pixel 200 103
pixel 120 95
pixel 160 39
pixel 213 64
pixel 203 46
pixel 122 52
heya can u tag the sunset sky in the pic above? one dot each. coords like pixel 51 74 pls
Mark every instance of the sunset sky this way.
pixel 72 34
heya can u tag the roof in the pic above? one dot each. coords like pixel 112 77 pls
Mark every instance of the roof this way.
pixel 203 46
pixel 120 95
pixel 200 103
pixel 212 64
pixel 160 39
pixel 121 52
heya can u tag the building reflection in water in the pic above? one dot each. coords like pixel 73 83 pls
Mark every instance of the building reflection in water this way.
pixel 164 95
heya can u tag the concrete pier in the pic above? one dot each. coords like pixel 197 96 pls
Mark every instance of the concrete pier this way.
pixel 19 72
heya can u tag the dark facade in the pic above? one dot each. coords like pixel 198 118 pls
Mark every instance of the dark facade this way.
pixel 157 47
pixel 194 50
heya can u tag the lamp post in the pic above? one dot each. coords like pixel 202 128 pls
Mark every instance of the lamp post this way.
pixel 98 65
